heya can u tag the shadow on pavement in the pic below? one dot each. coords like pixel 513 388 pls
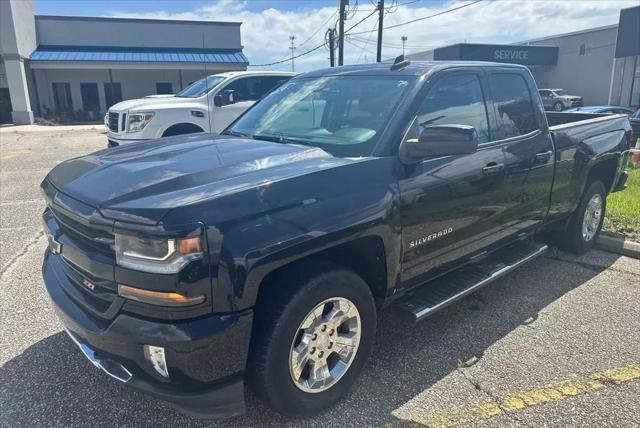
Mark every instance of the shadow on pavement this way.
pixel 51 384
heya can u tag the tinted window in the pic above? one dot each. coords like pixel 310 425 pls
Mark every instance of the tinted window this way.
pixel 456 100
pixel 254 88
pixel 545 93
pixel 112 93
pixel 89 94
pixel 164 88
pixel 516 115
pixel 62 97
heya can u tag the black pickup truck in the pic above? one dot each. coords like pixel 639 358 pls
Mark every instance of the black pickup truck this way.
pixel 188 266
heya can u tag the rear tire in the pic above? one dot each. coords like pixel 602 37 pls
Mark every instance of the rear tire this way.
pixel 279 329
pixel 586 222
pixel 557 106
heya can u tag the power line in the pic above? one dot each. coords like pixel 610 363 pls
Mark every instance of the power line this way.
pixel 322 26
pixel 290 58
pixel 424 17
pixel 360 22
pixel 364 47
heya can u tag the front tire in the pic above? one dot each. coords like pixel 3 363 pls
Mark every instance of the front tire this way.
pixel 312 337
pixel 558 106
pixel 586 222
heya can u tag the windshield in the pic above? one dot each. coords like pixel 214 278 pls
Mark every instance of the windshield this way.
pixel 343 115
pixel 559 92
pixel 200 87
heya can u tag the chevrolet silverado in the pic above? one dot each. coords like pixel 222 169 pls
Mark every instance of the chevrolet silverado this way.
pixel 190 266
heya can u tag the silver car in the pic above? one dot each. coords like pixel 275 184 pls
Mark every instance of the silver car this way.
pixel 557 100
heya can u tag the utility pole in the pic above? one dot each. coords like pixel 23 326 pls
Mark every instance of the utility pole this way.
pixel 404 40
pixel 380 19
pixel 342 17
pixel 293 48
pixel 331 33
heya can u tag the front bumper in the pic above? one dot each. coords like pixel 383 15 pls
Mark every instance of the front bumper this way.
pixel 114 140
pixel 573 103
pixel 205 356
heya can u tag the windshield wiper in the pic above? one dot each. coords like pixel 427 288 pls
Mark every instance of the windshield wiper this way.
pixel 279 139
pixel 236 134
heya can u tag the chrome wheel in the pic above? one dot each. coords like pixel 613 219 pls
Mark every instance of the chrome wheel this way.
pixel 325 345
pixel 592 217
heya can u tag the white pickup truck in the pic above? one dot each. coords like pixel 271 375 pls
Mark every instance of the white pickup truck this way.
pixel 207 105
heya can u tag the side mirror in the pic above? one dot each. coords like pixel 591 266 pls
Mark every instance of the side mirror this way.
pixel 440 140
pixel 224 98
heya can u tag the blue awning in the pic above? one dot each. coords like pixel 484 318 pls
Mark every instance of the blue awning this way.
pixel 133 54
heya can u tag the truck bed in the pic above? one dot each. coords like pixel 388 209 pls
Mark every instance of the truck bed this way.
pixel 581 140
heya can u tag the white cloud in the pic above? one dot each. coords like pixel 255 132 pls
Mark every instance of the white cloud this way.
pixel 265 33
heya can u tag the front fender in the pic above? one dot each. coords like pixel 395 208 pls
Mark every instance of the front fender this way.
pixel 247 249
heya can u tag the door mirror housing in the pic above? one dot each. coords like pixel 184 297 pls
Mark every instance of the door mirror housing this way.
pixel 224 98
pixel 440 140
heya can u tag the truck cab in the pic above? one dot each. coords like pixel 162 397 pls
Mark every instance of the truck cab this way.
pixel 207 105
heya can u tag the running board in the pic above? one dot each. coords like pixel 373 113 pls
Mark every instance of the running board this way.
pixel 442 291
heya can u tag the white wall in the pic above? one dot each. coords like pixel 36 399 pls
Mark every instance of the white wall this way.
pixel 76 31
pixel 588 74
pixel 17 41
pixel 134 83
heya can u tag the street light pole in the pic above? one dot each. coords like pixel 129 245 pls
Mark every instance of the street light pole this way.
pixel 293 48
pixel 404 40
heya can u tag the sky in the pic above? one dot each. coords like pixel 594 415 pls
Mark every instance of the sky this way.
pixel 268 24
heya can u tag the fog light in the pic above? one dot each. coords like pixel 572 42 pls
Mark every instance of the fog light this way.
pixel 155 355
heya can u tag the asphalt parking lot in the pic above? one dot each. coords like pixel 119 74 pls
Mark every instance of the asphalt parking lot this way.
pixel 556 343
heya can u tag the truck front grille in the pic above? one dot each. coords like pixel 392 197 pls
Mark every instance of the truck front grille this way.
pixel 114 119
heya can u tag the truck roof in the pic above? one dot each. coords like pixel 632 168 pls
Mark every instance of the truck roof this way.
pixel 413 68
pixel 259 73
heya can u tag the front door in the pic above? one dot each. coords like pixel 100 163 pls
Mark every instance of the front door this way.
pixel 452 206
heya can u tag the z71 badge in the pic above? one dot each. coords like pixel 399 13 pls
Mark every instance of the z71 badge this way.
pixel 436 235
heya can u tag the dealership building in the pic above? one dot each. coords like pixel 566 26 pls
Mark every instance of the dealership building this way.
pixel 77 67
pixel 600 64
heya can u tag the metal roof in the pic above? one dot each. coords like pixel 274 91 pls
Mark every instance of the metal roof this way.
pixel 136 54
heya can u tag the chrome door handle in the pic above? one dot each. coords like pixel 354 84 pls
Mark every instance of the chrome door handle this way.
pixel 493 168
pixel 544 156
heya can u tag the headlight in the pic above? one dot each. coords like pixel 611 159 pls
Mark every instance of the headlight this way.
pixel 137 121
pixel 157 255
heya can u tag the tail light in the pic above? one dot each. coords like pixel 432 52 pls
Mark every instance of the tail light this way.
pixel 629 137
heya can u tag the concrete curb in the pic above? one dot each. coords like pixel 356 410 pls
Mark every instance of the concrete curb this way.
pixel 618 244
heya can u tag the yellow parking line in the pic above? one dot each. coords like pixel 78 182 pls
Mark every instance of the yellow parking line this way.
pixel 520 400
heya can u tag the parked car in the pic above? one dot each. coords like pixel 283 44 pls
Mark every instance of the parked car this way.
pixel 602 109
pixel 187 267
pixel 635 124
pixel 557 100
pixel 207 105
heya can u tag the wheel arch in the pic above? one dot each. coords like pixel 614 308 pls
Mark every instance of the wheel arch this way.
pixel 366 256
pixel 177 128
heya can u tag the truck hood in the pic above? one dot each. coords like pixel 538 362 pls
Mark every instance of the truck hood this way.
pixel 149 103
pixel 141 182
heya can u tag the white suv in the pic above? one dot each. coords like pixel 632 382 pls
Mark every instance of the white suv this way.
pixel 207 105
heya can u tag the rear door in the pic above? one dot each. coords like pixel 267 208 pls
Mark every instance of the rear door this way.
pixel 452 206
pixel 520 130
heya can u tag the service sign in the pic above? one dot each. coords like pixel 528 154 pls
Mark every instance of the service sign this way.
pixel 514 54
